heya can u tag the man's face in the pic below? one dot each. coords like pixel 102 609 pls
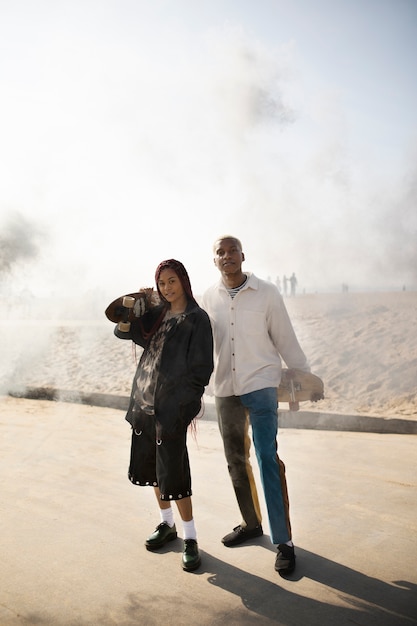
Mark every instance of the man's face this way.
pixel 228 256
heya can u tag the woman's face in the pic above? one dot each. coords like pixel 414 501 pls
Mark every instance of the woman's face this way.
pixel 172 290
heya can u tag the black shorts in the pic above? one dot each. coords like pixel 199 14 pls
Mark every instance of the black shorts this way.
pixel 164 464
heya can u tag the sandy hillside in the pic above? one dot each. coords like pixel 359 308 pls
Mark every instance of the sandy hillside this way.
pixel 363 345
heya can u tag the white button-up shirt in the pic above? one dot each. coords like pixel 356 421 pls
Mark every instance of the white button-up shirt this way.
pixel 252 332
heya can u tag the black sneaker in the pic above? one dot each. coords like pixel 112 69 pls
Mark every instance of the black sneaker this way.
pixel 285 561
pixel 191 556
pixel 161 535
pixel 241 534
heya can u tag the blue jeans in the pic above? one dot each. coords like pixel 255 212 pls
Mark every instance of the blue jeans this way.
pixel 259 408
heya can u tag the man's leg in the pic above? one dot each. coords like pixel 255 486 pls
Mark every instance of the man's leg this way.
pixel 234 425
pixel 262 406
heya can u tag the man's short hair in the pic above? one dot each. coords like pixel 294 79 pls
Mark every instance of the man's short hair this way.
pixel 239 243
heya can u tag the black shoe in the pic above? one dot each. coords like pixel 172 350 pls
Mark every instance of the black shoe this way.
pixel 285 561
pixel 191 556
pixel 241 534
pixel 162 534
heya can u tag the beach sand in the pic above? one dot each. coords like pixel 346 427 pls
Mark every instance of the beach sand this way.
pixel 363 346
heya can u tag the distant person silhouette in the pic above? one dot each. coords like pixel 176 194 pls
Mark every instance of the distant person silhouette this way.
pixel 293 281
pixel 278 283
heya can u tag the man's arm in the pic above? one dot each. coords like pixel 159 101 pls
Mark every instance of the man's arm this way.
pixel 283 335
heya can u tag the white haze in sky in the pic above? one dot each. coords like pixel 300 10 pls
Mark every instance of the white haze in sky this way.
pixel 135 131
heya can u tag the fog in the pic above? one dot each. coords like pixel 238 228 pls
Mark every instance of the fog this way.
pixel 131 134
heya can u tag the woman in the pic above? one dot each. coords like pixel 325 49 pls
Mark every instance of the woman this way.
pixel 173 370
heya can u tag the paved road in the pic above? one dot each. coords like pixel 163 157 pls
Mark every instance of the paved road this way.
pixel 73 529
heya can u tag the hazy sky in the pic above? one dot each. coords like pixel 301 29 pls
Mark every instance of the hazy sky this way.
pixel 135 131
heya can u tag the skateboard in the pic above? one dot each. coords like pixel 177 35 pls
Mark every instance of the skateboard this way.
pixel 297 386
pixel 131 306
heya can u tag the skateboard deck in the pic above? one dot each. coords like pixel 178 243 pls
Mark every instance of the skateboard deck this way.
pixel 297 386
pixel 131 306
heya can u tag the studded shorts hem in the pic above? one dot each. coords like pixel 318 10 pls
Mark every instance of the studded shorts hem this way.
pixel 164 496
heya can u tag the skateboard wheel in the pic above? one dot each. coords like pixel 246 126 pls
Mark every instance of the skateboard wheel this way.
pixel 124 327
pixel 128 302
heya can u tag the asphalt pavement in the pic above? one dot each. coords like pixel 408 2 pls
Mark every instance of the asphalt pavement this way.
pixel 73 528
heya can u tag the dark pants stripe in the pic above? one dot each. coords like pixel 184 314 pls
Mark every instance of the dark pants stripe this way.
pixel 234 414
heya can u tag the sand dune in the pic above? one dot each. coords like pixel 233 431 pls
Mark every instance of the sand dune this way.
pixel 363 345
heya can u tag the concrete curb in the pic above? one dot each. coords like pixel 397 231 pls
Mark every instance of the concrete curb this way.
pixel 354 423
pixel 308 420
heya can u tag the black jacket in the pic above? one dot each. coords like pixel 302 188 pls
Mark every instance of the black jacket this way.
pixel 185 368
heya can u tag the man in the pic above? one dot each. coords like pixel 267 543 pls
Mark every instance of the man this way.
pixel 252 333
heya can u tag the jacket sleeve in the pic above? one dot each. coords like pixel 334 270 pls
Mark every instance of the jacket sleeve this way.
pixel 200 360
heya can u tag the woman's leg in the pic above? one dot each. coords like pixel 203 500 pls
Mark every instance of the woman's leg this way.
pixel 166 530
pixel 185 509
pixel 163 505
pixel 174 482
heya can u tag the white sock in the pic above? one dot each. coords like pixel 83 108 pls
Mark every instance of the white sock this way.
pixel 167 516
pixel 189 530
pixel 289 543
